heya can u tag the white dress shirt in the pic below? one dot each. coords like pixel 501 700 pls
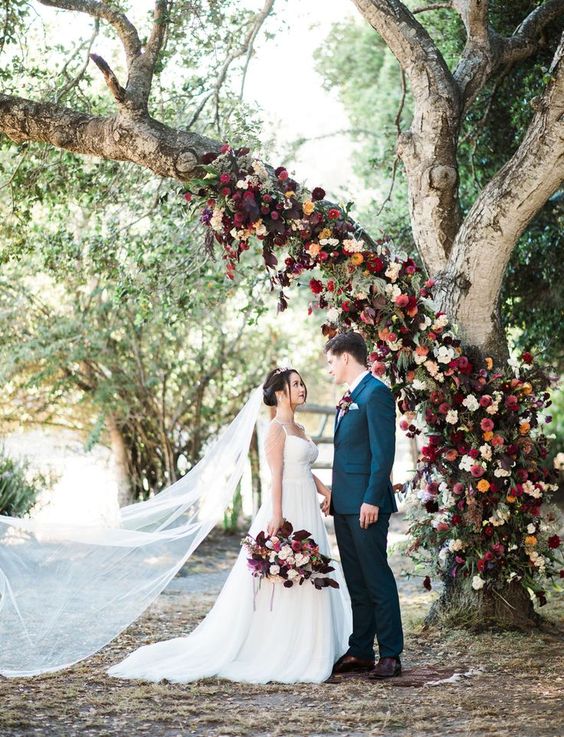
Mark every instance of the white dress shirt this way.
pixel 352 387
pixel 357 381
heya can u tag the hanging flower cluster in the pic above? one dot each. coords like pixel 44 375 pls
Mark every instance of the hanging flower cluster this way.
pixel 481 479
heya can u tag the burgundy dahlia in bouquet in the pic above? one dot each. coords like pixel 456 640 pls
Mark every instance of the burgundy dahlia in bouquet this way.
pixel 288 557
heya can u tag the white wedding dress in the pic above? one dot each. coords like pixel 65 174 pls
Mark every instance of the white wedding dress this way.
pixel 280 634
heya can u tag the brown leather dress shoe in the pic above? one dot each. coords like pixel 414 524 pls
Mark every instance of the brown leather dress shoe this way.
pixel 385 668
pixel 352 664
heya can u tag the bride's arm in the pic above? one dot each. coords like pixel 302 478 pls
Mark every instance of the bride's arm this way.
pixel 325 492
pixel 274 448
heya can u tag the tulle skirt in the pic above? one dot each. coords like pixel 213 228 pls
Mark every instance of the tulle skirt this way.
pixel 259 634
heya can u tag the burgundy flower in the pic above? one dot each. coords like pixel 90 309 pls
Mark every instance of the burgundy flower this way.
pixel 527 357
pixel 485 400
pixel 317 194
pixel 427 583
pixel 316 286
pixel 554 542
pixel 477 471
pixel 512 403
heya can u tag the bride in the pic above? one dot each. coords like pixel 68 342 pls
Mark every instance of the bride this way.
pixel 278 634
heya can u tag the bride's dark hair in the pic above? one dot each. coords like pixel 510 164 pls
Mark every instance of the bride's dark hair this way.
pixel 278 380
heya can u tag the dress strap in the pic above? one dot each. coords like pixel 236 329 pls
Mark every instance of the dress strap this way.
pixel 282 425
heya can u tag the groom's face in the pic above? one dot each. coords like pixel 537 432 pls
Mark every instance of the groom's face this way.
pixel 337 366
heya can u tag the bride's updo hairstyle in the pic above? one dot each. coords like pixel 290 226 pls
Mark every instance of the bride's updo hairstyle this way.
pixel 278 380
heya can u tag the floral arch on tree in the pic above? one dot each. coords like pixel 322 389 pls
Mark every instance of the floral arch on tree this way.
pixel 476 500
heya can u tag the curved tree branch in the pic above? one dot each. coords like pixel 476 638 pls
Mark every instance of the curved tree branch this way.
pixel 166 151
pixel 119 21
pixel 428 149
pixel 501 213
pixel 527 37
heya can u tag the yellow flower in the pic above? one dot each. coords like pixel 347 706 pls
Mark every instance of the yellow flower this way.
pixel 289 194
pixel 308 207
pixel 357 259
pixel 483 485
pixel 530 540
pixel 526 388
pixel 325 233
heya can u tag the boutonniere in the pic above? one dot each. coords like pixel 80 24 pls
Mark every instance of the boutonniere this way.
pixel 345 403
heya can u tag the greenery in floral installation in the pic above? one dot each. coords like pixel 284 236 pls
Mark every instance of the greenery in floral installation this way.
pixel 477 496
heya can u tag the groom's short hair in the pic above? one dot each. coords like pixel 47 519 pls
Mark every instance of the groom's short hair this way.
pixel 351 343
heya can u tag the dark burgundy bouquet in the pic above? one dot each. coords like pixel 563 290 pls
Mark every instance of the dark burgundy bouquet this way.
pixel 288 557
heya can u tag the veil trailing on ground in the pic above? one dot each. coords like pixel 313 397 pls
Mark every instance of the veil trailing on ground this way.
pixel 66 591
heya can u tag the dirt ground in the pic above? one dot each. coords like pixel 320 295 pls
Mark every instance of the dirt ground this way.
pixel 513 684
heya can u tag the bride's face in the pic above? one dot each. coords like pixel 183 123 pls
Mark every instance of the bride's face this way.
pixel 297 393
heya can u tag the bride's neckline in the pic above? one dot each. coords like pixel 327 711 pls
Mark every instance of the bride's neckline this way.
pixel 292 435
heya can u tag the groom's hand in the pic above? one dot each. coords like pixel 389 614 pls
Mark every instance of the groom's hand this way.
pixel 368 515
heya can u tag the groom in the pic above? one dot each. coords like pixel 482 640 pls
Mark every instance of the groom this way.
pixel 362 501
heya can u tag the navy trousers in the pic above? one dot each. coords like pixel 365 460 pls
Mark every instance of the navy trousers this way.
pixel 372 586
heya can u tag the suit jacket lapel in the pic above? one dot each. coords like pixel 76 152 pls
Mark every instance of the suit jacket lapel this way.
pixel 354 396
pixel 361 387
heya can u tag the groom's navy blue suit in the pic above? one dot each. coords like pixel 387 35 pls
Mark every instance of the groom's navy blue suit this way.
pixel 364 454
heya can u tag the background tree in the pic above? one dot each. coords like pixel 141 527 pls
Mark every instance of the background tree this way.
pixel 357 63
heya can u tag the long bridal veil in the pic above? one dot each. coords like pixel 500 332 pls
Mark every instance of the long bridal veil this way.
pixel 66 591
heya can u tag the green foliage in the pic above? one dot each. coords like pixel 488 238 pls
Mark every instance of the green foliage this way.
pixel 18 490
pixel 115 319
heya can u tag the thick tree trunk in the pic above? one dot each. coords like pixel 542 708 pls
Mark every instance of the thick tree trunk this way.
pixel 471 282
pixel 120 463
pixel 461 607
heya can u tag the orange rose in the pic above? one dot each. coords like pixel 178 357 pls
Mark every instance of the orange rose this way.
pixel 527 388
pixel 530 540
pixel 357 259
pixel 483 485
pixel 314 249
pixel 524 428
pixel 487 435
pixel 421 350
pixel 489 363
pixel 510 499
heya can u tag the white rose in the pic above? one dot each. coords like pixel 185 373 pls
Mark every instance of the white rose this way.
pixel 477 583
pixel 531 529
pixel 274 570
pixel 471 403
pixel 486 451
pixel 332 314
pixel 419 385
pixel 292 573
pixel 452 417
pixel 392 272
pixel 444 354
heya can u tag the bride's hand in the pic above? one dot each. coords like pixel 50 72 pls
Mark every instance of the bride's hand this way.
pixel 275 524
pixel 326 503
